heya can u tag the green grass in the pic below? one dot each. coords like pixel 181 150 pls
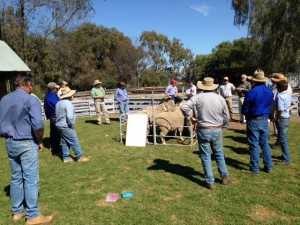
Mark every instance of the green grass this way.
pixel 166 181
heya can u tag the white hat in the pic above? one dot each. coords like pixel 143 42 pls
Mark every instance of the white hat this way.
pixel 67 92
pixel 97 82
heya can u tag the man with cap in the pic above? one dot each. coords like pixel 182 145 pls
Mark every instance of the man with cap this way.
pixel 241 91
pixel 226 90
pixel 65 122
pixel 210 115
pixel 256 108
pixel 50 102
pixel 22 126
pixel 172 92
pixel 98 94
pixel 62 84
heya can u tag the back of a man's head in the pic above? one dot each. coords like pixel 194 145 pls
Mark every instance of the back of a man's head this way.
pixel 23 79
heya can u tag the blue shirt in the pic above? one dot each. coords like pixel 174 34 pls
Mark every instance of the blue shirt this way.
pixel 284 101
pixel 50 101
pixel 20 115
pixel 257 102
pixel 121 95
pixel 171 90
pixel 65 114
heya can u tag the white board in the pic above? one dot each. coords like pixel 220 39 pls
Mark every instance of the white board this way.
pixel 136 132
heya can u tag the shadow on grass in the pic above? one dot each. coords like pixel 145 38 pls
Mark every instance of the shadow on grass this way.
pixel 184 171
pixel 238 139
pixel 236 164
pixel 7 190
pixel 240 151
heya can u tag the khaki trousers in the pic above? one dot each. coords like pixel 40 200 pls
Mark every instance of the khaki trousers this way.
pixel 100 106
pixel 229 104
pixel 241 101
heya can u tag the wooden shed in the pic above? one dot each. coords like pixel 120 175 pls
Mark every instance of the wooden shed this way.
pixel 10 65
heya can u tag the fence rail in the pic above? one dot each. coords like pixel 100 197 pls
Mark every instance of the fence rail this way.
pixel 86 108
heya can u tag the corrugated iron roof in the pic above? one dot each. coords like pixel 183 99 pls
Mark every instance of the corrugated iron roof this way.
pixel 10 61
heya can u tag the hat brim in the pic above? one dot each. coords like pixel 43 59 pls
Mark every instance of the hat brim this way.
pixel 57 86
pixel 264 80
pixel 206 88
pixel 70 94
pixel 274 80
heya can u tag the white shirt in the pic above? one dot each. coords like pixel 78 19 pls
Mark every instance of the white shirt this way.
pixel 191 90
pixel 226 90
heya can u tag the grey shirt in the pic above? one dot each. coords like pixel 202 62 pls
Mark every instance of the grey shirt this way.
pixel 209 108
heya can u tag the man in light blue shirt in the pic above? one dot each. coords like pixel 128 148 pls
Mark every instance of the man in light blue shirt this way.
pixel 21 125
pixel 172 92
pixel 121 97
pixel 65 122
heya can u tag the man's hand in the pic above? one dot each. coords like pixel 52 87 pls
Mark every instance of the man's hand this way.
pixel 41 147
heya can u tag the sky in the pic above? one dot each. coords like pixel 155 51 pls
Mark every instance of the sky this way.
pixel 199 24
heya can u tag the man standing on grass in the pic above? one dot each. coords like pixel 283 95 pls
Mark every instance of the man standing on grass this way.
pixel 22 127
pixel 241 91
pixel 98 94
pixel 211 114
pixel 121 96
pixel 256 108
pixel 226 90
pixel 65 122
pixel 50 101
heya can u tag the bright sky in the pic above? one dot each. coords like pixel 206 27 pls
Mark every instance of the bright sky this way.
pixel 199 24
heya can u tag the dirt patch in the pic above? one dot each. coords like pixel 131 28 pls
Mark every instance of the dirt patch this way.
pixel 262 213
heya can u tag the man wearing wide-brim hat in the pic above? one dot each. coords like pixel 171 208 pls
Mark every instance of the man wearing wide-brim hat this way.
pixel 256 108
pixel 65 122
pixel 211 115
pixel 98 94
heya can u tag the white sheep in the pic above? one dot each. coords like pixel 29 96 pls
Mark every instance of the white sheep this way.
pixel 170 121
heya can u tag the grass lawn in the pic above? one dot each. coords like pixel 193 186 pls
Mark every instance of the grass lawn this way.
pixel 166 181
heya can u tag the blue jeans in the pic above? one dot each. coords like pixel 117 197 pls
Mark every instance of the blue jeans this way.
pixel 24 186
pixel 69 139
pixel 258 134
pixel 124 109
pixel 282 127
pixel 211 139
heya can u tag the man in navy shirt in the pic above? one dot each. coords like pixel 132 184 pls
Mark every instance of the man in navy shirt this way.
pixel 50 101
pixel 256 108
pixel 22 127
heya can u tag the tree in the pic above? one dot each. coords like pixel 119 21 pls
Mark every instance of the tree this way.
pixel 156 46
pixel 276 25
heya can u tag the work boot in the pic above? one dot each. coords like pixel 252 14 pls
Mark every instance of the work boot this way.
pixel 18 217
pixel 83 159
pixel 39 220
pixel 225 180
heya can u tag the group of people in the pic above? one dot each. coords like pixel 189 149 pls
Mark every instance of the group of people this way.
pixel 211 112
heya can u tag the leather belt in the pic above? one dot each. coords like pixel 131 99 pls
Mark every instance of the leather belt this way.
pixel 260 118
pixel 23 140
pixel 210 127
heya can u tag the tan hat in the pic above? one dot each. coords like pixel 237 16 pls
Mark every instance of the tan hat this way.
pixel 258 76
pixel 97 82
pixel 52 85
pixel 67 92
pixel 277 77
pixel 207 84
pixel 63 82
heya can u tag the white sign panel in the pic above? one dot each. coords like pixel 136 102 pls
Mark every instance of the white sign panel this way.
pixel 136 132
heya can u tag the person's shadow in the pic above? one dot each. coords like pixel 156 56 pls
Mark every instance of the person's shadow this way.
pixel 7 190
pixel 184 171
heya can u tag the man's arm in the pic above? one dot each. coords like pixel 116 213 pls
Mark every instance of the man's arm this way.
pixel 39 135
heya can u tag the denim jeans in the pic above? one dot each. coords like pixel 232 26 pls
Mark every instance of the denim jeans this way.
pixel 282 127
pixel 124 109
pixel 258 134
pixel 24 186
pixel 211 139
pixel 69 139
pixel 54 137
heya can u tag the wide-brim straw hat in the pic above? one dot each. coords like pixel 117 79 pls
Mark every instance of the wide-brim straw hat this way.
pixel 278 77
pixel 258 76
pixel 97 82
pixel 207 84
pixel 67 93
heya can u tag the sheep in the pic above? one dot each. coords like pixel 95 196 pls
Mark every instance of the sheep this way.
pixel 170 121
pixel 163 107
